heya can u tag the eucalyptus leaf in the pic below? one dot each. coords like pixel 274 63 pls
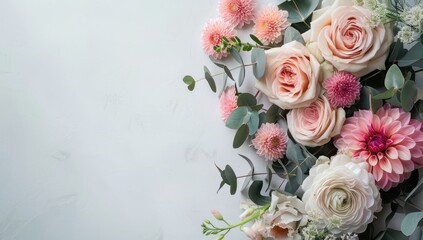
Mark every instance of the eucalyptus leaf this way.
pixel 414 54
pixel 262 117
pixel 269 177
pixel 225 82
pixel 216 63
pixel 254 194
pixel 418 64
pixel 299 10
pixel 240 136
pixel 292 34
pixel 257 108
pixel 235 54
pixel 408 95
pixel 391 234
pixel 255 39
pixel 299 176
pixel 394 78
pixel 394 101
pixel 237 117
pixel 410 222
pixel 222 183
pixel 228 72
pixel 191 86
pixel 417 112
pixel 231 178
pixel 397 49
pixel 209 78
pixel 259 58
pixel 188 80
pixel 253 123
pixel 416 190
pixel 250 173
pixel 385 95
pixel 292 185
pixel 246 99
pixel 241 75
pixel 272 114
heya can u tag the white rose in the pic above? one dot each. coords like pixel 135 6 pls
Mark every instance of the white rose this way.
pixel 345 38
pixel 342 194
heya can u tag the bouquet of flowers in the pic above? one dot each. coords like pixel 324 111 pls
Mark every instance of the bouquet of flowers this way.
pixel 336 117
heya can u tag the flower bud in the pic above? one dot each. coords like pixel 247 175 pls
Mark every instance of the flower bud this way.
pixel 217 215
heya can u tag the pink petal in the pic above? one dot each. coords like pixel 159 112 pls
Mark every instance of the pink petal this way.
pixel 385 165
pixel 373 160
pixel 403 152
pixel 392 153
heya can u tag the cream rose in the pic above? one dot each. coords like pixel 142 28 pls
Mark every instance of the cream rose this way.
pixel 291 79
pixel 285 215
pixel 345 38
pixel 341 195
pixel 316 124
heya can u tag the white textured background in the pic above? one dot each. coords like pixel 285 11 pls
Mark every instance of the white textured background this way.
pixel 99 137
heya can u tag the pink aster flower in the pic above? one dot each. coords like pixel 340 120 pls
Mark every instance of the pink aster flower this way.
pixel 270 141
pixel 213 32
pixel 237 12
pixel 389 141
pixel 228 102
pixel 342 88
pixel 270 24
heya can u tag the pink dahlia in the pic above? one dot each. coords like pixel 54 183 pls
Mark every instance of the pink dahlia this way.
pixel 270 141
pixel 237 12
pixel 342 89
pixel 228 102
pixel 389 141
pixel 270 24
pixel 213 32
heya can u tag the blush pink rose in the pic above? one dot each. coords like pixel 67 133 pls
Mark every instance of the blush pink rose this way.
pixel 345 38
pixel 316 124
pixel 291 79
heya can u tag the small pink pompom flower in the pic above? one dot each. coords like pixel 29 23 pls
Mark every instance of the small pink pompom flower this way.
pixel 237 12
pixel 213 32
pixel 228 102
pixel 270 24
pixel 342 89
pixel 389 141
pixel 270 141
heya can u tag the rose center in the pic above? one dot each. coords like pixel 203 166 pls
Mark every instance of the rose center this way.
pixel 377 142
pixel 288 74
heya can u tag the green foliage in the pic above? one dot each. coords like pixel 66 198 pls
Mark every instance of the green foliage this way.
pixel 240 136
pixel 237 117
pixel 272 114
pixel 253 123
pixel 367 101
pixel 209 78
pixel 299 10
pixel 228 72
pixel 385 95
pixel 246 99
pixel 391 234
pixel 410 222
pixel 228 177
pixel 417 112
pixel 235 54
pixel 413 56
pixel 292 34
pixel 250 174
pixel 397 51
pixel 408 95
pixel 259 58
pixel 417 189
pixel 188 80
pixel 394 78
pixel 255 39
pixel 254 193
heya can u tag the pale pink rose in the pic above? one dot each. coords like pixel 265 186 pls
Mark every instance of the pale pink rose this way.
pixel 256 231
pixel 389 141
pixel 346 39
pixel 316 124
pixel 228 102
pixel 291 79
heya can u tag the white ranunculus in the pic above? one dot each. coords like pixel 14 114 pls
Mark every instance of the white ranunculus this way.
pixel 284 216
pixel 342 194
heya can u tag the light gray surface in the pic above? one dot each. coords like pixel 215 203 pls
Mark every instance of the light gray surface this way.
pixel 99 137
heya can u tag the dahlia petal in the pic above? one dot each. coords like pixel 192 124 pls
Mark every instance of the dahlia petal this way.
pixel 373 160
pixel 377 173
pixel 392 153
pixel 403 152
pixel 397 166
pixel 376 123
pixel 397 138
pixel 408 143
pixel 392 128
pixel 385 165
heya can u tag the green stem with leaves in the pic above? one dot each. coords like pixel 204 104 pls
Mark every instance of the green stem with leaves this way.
pixel 217 74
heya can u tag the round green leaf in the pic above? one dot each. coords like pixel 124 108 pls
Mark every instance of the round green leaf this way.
pixel 408 95
pixel 292 34
pixel 209 78
pixel 254 193
pixel 259 58
pixel 385 95
pixel 240 136
pixel 253 123
pixel 191 86
pixel 246 99
pixel 410 222
pixel 299 10
pixel 394 78
pixel 231 179
pixel 188 80
pixel 237 117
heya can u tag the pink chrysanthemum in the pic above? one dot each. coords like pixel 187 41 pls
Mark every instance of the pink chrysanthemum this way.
pixel 270 141
pixel 213 32
pixel 270 24
pixel 342 89
pixel 237 12
pixel 389 141
pixel 228 102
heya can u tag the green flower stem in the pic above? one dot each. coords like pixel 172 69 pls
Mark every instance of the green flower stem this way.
pixel 257 213
pixel 217 74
